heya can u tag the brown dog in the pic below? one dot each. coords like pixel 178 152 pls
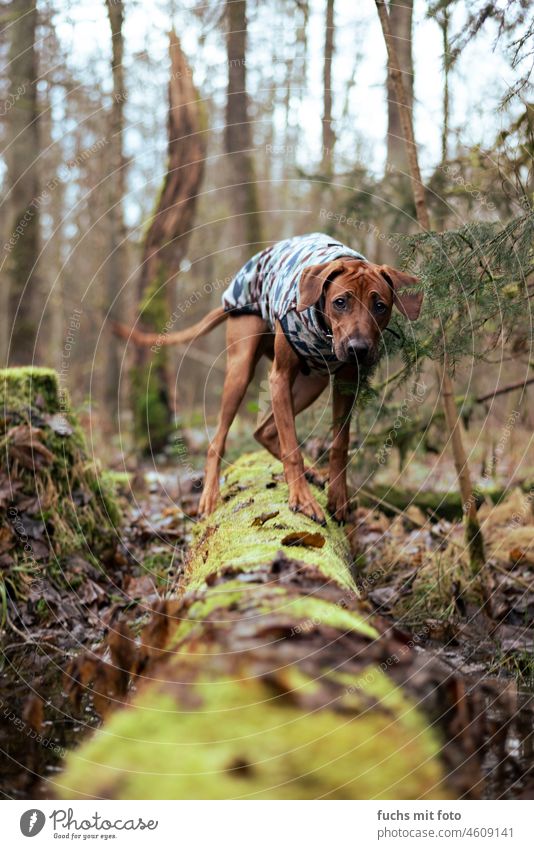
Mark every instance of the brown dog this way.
pixel 346 300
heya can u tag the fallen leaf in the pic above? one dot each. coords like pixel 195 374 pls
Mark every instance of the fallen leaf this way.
pixel 383 596
pixel 40 550
pixel 28 527
pixel 305 539
pixel 7 489
pixel 25 447
pixel 90 591
pixel 140 587
pixel 519 555
pixel 7 540
pixel 33 713
pixel 31 504
pixel 260 520
pixel 173 511
pixel 123 650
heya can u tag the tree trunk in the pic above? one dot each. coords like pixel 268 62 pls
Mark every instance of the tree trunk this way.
pixel 396 191
pixel 400 22
pixel 116 268
pixel 238 135
pixel 22 160
pixel 473 532
pixel 266 678
pixel 444 24
pixel 328 132
pixel 165 248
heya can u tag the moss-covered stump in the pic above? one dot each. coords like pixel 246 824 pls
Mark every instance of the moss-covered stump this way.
pixel 55 502
pixel 270 680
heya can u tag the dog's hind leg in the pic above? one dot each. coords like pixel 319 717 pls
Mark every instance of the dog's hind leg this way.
pixel 244 335
pixel 306 389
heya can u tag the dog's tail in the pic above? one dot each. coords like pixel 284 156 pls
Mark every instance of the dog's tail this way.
pixel 180 337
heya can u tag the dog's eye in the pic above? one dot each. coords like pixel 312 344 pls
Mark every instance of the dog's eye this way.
pixel 380 307
pixel 340 303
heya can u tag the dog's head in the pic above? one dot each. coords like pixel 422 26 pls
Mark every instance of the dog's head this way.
pixel 357 301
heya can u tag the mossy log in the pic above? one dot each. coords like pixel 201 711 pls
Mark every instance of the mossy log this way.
pixel 445 505
pixel 271 681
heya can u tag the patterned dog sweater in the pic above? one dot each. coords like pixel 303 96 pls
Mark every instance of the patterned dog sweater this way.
pixel 268 285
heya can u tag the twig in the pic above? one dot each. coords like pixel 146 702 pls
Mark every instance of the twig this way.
pixel 512 577
pixel 510 388
pixel 391 378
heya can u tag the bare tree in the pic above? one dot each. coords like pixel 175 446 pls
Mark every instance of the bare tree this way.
pixel 22 156
pixel 238 134
pixel 444 21
pixel 396 186
pixel 400 22
pixel 116 267
pixel 328 132
pixel 473 532
pixel 165 247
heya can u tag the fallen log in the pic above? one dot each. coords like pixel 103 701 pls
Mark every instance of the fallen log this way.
pixel 267 678
pixel 433 503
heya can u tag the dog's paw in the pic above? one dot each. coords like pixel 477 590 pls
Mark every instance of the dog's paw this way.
pixel 314 477
pixel 208 502
pixel 304 502
pixel 338 506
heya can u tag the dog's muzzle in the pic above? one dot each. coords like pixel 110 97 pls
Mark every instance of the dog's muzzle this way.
pixel 356 351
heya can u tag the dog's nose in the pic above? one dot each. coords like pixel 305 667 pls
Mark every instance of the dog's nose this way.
pixel 358 348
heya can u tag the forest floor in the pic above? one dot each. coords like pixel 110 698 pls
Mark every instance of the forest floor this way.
pixel 60 660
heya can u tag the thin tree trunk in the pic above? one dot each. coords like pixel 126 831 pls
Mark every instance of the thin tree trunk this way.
pixel 444 24
pixel 22 160
pixel 396 190
pixel 116 269
pixel 328 132
pixel 238 134
pixel 473 532
pixel 400 22
pixel 164 249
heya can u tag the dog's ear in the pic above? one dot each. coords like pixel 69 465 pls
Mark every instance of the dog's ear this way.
pixel 408 303
pixel 312 282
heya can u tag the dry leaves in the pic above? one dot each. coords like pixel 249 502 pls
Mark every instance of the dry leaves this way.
pixel 25 446
pixel 260 520
pixel 305 539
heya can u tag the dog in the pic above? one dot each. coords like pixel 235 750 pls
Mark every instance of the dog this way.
pixel 317 309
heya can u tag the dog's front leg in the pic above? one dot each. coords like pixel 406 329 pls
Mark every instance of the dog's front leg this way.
pixel 282 376
pixel 343 403
pixel 243 337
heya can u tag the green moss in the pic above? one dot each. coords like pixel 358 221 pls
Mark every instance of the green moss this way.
pixel 316 610
pixel 67 490
pixel 238 740
pixel 21 388
pixel 232 540
pixel 232 600
pixel 445 504
pixel 108 486
pixel 150 401
pixel 118 482
pixel 255 697
pixel 475 544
